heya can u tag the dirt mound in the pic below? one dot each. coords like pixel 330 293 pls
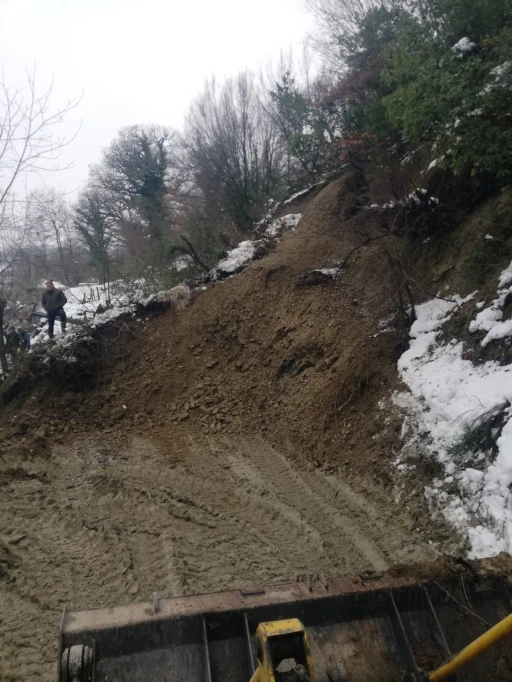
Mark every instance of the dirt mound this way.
pixel 188 464
pixel 287 349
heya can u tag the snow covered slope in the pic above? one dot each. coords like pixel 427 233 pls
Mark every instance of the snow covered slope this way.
pixel 460 414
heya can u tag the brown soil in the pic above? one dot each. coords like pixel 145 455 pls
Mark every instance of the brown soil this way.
pixel 239 441
pixel 98 524
pixel 299 364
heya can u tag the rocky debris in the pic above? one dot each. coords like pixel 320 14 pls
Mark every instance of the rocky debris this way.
pixel 257 354
pixel 294 366
pixel 178 298
pixel 208 406
pixel 318 276
pixel 40 433
pixel 69 362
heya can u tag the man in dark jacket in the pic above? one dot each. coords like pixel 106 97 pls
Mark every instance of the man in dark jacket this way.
pixel 54 302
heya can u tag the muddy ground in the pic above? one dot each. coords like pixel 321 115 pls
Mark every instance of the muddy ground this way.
pixel 92 525
pixel 241 441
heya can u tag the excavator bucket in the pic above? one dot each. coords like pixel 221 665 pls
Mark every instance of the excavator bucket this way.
pixel 377 628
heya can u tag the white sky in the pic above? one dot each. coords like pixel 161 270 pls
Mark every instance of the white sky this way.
pixel 137 61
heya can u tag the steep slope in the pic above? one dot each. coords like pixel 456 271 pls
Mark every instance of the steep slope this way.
pixel 189 463
pixel 282 350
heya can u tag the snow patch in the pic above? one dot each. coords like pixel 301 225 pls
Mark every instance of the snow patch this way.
pixel 505 277
pixel 330 272
pixel 490 319
pixel 415 198
pixel 462 46
pixel 182 262
pixel 446 394
pixel 385 326
pixel 297 195
pixel 235 259
pixel 91 304
pixel 287 223
pixel 501 69
pixel 178 296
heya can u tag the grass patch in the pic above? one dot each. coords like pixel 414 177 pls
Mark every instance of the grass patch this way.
pixel 487 256
pixel 477 444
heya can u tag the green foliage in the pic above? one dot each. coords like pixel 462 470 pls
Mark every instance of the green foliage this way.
pixel 487 256
pixel 124 213
pixel 134 176
pixel 306 128
pixel 434 76
pixel 352 123
pixel 477 19
pixel 455 100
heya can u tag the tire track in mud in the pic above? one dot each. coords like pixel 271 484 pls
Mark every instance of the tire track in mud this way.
pixel 98 525
pixel 380 534
pixel 346 544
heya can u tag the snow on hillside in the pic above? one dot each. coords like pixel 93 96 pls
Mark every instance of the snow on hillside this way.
pixel 92 303
pixel 84 300
pixel 287 223
pixel 236 259
pixel 449 398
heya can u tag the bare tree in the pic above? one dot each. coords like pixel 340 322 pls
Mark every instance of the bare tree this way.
pixel 233 149
pixel 29 143
pixel 339 23
pixel 52 225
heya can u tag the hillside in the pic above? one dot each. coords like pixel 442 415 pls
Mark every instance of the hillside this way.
pixel 280 350
pixel 248 438
pixel 191 462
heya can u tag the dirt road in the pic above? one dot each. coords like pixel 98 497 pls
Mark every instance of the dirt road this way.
pixel 96 525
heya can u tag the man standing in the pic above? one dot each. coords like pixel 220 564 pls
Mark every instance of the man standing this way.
pixel 54 302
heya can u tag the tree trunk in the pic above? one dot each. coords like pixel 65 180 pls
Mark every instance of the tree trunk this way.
pixel 3 355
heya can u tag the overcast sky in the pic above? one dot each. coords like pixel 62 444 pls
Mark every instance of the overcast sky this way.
pixel 137 61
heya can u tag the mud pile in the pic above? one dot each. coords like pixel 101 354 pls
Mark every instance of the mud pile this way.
pixel 287 349
pixel 190 461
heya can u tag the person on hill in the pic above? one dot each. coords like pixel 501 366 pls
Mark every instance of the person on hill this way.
pixel 53 302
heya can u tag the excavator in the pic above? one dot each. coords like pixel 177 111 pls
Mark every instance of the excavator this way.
pixel 446 621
